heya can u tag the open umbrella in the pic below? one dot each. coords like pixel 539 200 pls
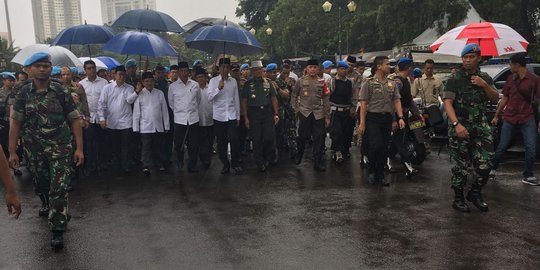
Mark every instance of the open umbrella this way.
pixel 207 21
pixel 139 43
pixel 147 19
pixel 108 61
pixel 60 56
pixel 99 64
pixel 84 34
pixel 224 39
pixel 495 39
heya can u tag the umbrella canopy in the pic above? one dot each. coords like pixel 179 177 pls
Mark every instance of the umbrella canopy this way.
pixel 139 43
pixel 147 19
pixel 99 64
pixel 60 56
pixel 224 39
pixel 109 61
pixel 207 21
pixel 83 35
pixel 495 39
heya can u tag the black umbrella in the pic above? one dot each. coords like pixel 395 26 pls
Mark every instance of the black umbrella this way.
pixel 202 22
pixel 149 20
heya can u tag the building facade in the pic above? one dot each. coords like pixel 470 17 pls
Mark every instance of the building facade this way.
pixel 52 16
pixel 112 9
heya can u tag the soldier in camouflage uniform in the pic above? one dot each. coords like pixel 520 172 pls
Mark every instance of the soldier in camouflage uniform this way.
pixel 283 98
pixel 41 113
pixel 287 114
pixel 465 98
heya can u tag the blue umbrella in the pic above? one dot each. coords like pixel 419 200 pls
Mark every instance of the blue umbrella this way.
pixel 139 43
pixel 146 19
pixel 84 34
pixel 109 61
pixel 206 21
pixel 224 39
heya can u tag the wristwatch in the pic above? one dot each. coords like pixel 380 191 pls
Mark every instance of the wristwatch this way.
pixel 455 123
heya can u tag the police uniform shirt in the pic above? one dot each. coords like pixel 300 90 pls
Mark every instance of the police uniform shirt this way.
pixel 427 88
pixel 258 92
pixel 380 96
pixel 308 97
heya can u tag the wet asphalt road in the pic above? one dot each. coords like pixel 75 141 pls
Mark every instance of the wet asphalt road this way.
pixel 288 218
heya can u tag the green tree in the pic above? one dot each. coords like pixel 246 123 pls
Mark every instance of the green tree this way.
pixel 7 52
pixel 255 11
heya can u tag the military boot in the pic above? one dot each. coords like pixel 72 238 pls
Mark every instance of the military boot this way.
pixel 44 210
pixel 459 201
pixel 475 196
pixel 57 241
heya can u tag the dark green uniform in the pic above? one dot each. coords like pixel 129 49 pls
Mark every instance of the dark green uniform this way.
pixel 469 103
pixel 259 92
pixel 47 137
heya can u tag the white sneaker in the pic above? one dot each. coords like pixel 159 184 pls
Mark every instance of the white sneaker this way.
pixel 531 180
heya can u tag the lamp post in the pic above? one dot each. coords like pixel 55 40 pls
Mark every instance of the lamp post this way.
pixel 351 7
pixel 269 33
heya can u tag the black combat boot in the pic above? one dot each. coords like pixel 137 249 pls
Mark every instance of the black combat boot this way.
pixel 319 164
pixel 57 241
pixel 459 201
pixel 475 196
pixel 44 210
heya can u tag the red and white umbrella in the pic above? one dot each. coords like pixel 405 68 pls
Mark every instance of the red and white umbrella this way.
pixel 494 39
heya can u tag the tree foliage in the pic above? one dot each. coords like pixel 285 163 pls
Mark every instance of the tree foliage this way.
pixel 255 11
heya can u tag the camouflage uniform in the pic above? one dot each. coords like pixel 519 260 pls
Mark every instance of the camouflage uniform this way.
pixel 47 138
pixel 469 104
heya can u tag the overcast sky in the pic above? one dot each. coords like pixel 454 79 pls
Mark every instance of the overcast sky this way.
pixel 184 11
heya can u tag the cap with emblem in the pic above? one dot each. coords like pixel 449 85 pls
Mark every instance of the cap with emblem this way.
pixel 470 48
pixel 183 64
pixel 271 67
pixel 224 61
pixel 37 57
pixel 131 63
pixel 147 75
pixel 313 62
pixel 244 67
pixel 256 64
pixel 342 64
pixel 327 64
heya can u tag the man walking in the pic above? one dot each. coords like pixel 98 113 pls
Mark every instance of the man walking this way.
pixel 428 87
pixel 206 120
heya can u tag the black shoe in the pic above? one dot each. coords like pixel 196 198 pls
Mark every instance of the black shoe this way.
pixel 226 169
pixel 475 196
pixel 320 167
pixel 127 172
pixel 17 172
pixel 162 169
pixel 298 159
pixel 206 165
pixel 409 173
pixel 57 241
pixel 371 179
pixel 43 211
pixel 262 168
pixel 146 171
pixel 238 170
pixel 385 181
pixel 459 201
pixel 192 170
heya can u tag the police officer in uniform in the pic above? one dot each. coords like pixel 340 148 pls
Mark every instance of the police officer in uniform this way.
pixel 380 99
pixel 310 99
pixel 343 105
pixel 43 111
pixel 465 98
pixel 260 105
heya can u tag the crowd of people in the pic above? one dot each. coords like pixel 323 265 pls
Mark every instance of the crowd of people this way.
pixel 147 122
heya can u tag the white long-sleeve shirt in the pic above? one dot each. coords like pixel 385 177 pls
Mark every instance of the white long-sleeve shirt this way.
pixel 114 105
pixel 205 109
pixel 93 92
pixel 184 99
pixel 226 102
pixel 150 113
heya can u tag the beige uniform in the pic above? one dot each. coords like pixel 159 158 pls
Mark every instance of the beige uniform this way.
pixel 308 97
pixel 427 88
pixel 380 96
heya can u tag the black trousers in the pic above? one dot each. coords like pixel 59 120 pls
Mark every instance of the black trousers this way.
pixel 310 127
pixel 187 135
pixel 151 154
pixel 95 146
pixel 261 126
pixel 168 138
pixel 242 135
pixel 227 132
pixel 120 140
pixel 378 130
pixel 341 131
pixel 206 140
pixel 399 138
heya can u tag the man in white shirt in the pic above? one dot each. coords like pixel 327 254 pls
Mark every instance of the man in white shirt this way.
pixel 151 119
pixel 206 121
pixel 94 139
pixel 184 98
pixel 115 115
pixel 223 93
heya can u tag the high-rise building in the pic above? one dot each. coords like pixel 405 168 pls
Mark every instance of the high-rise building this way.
pixel 52 16
pixel 112 9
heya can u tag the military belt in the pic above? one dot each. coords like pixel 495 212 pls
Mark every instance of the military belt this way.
pixel 339 109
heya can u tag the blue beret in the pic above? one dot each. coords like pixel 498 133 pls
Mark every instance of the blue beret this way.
pixel 130 63
pixel 56 71
pixel 271 67
pixel 8 75
pixel 167 69
pixel 244 66
pixel 417 72
pixel 404 60
pixel 470 48
pixel 342 64
pixel 37 57
pixel 327 64
pixel 197 62
pixel 74 70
